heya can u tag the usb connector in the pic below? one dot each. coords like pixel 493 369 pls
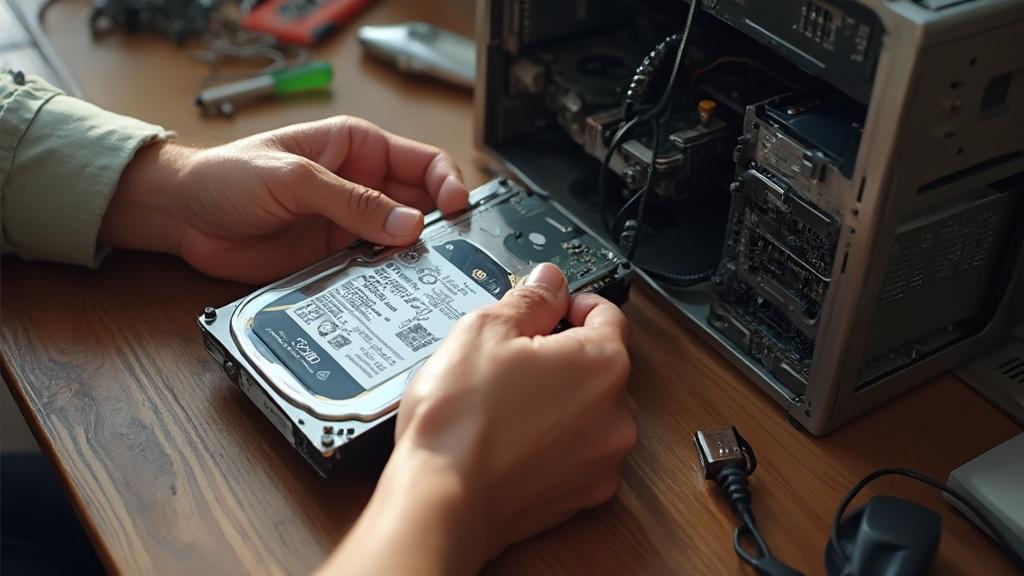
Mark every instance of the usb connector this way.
pixel 720 447
pixel 728 460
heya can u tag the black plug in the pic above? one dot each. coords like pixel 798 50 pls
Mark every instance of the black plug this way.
pixel 729 460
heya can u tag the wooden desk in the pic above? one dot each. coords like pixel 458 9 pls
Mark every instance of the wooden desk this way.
pixel 174 471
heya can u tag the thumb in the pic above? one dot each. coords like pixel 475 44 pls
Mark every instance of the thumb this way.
pixel 538 305
pixel 363 211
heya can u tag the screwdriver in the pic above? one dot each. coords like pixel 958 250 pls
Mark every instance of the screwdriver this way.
pixel 225 98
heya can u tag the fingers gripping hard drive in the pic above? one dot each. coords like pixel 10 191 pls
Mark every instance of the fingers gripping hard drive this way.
pixel 326 353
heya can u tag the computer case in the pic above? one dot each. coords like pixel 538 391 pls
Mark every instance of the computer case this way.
pixel 837 202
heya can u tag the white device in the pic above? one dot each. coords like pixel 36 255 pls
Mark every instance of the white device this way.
pixel 423 49
pixel 993 483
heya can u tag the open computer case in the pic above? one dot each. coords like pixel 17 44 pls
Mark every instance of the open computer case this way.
pixel 834 197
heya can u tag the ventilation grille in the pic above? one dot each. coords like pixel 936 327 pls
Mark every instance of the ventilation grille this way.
pixel 999 377
pixel 1013 369
pixel 939 250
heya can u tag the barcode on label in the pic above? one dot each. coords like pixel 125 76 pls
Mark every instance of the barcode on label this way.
pixel 416 337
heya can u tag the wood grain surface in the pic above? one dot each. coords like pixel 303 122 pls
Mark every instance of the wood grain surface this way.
pixel 175 472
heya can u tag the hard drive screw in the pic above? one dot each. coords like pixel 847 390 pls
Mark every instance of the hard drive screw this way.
pixel 209 314
pixel 327 440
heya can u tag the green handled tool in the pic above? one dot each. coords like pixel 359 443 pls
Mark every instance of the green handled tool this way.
pixel 225 98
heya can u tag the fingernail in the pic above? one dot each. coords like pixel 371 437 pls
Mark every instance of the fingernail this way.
pixel 547 275
pixel 402 221
pixel 453 193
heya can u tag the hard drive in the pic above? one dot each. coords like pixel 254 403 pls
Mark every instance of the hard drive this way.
pixel 326 353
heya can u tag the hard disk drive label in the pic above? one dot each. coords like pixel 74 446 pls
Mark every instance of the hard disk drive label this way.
pixel 380 320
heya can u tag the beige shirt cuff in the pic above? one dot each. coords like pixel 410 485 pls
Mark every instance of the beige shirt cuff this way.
pixel 61 171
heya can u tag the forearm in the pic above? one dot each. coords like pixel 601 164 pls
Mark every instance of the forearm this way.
pixel 145 211
pixel 60 162
pixel 419 521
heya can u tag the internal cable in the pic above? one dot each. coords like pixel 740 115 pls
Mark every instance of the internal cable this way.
pixel 648 186
pixel 632 229
pixel 602 187
pixel 677 280
pixel 719 62
pixel 666 96
pixel 938 485
pixel 638 88
pixel 644 76
pixel 631 237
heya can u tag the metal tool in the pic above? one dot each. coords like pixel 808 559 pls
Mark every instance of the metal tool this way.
pixel 225 98
pixel 423 49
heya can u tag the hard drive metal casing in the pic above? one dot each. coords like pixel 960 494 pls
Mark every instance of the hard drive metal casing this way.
pixel 503 221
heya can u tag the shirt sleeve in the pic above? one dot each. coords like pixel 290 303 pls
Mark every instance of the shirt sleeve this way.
pixel 60 161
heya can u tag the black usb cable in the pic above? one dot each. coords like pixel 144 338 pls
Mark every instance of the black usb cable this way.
pixel 729 460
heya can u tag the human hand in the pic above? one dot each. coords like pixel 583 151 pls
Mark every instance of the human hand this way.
pixel 259 208
pixel 506 431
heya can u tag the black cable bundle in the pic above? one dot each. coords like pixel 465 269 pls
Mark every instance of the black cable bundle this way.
pixel 635 113
pixel 643 79
pixel 679 280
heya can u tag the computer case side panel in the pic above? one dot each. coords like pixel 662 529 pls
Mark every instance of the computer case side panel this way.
pixel 961 133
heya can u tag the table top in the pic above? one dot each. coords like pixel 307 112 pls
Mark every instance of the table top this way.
pixel 174 471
